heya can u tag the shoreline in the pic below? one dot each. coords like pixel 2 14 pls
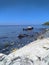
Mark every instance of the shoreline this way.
pixel 32 51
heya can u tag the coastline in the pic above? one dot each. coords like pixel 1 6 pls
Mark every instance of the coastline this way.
pixel 31 51
pixel 34 53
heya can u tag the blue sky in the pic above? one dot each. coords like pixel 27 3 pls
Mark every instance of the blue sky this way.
pixel 17 12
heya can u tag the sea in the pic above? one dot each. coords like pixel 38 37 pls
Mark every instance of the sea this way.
pixel 10 41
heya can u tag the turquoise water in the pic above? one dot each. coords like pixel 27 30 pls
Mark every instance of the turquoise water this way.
pixel 9 35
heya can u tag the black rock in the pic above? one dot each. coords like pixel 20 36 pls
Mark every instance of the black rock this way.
pixel 28 28
pixel 22 36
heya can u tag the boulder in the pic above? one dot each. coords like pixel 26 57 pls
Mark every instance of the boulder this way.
pixel 22 36
pixel 28 28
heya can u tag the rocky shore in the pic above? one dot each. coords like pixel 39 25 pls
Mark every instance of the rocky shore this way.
pixel 23 39
pixel 35 53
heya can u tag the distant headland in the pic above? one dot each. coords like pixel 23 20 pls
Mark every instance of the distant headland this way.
pixel 46 23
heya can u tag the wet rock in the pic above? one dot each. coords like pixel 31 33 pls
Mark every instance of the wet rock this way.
pixel 30 36
pixel 14 50
pixel 28 28
pixel 43 30
pixel 6 45
pixel 22 36
pixel 40 37
pixel 12 43
pixel 5 50
pixel 47 30
pixel 2 56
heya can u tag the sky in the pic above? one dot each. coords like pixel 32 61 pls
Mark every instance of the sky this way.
pixel 22 12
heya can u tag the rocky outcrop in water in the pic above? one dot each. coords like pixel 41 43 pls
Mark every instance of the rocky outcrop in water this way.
pixel 24 35
pixel 28 28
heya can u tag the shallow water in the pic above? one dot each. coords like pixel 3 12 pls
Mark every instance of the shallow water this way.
pixel 9 35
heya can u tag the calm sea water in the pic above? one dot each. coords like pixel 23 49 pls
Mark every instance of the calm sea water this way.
pixel 9 35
